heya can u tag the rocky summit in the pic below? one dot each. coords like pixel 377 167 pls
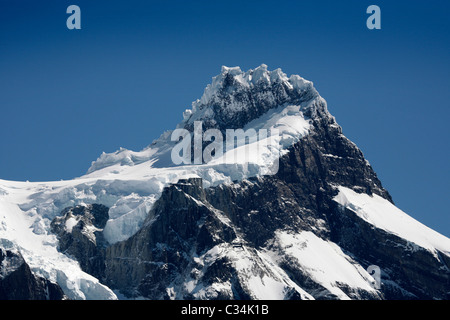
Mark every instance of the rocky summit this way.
pixel 137 226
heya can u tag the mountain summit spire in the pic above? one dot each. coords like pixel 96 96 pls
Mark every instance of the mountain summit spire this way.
pixel 234 97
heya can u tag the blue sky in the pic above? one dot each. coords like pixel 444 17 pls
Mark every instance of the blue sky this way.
pixel 127 75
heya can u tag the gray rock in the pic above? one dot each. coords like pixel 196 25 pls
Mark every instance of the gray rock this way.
pixel 17 281
pixel 79 230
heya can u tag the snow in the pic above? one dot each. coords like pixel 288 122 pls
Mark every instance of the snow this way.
pixel 384 215
pixel 300 83
pixel 261 276
pixel 323 261
pixel 11 264
pixel 41 254
pixel 122 156
pixel 248 79
pixel 70 223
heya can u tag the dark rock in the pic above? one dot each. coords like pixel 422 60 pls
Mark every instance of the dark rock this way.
pixel 179 226
pixel 17 281
pixel 83 239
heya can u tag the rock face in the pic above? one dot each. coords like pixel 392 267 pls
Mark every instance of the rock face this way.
pixel 79 230
pixel 179 227
pixel 17 281
pixel 170 257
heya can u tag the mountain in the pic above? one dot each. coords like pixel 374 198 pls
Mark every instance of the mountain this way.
pixel 256 194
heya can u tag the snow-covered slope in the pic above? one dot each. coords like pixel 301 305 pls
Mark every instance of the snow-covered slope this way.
pixel 39 249
pixel 130 183
pixel 384 215
pixel 323 261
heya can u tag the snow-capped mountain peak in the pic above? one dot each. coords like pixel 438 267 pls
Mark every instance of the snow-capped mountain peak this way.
pixel 150 227
pixel 231 101
pixel 234 97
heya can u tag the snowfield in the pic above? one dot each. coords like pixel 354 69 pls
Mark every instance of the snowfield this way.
pixel 40 252
pixel 323 261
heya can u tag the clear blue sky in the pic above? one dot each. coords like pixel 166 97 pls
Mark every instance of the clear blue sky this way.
pixel 67 95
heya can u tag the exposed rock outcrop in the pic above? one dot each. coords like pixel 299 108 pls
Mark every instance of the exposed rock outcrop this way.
pixel 79 230
pixel 17 281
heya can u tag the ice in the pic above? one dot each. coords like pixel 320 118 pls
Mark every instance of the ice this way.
pixel 70 223
pixel 299 83
pixel 39 250
pixel 260 74
pixel 128 223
